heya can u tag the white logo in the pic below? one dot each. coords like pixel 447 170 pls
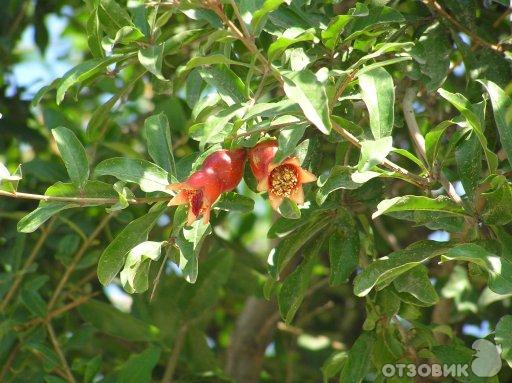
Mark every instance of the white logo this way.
pixel 487 362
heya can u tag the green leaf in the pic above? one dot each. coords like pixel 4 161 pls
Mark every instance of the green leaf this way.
pixel 499 269
pixel 33 301
pixel 378 93
pixel 117 15
pixel 331 35
pixel 432 55
pixel 343 250
pixel 189 241
pixel 296 284
pixel 333 365
pixel 199 298
pixel 260 16
pixel 496 196
pixel 289 37
pixel 287 142
pixel 289 209
pixel 151 58
pixel 149 176
pixel 85 71
pixel 433 140
pixel 139 367
pixel 43 213
pixel 340 177
pixel 306 90
pixel 466 109
pixel 359 359
pixel 502 109
pixel 373 152
pixel 73 154
pixel 436 214
pixel 134 276
pixel 235 202
pixel 503 337
pixel 94 34
pixel 468 156
pixel 229 86
pixel 378 17
pixel 416 282
pixel 158 137
pixel 111 321
pixel 417 203
pixel 113 257
pixel 383 271
pixel 289 246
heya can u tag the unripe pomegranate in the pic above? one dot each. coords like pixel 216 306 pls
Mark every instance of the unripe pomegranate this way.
pixel 199 192
pixel 221 171
pixel 279 180
pixel 228 166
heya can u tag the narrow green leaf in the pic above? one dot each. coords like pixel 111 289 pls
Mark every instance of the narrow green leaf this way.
pixel 416 282
pixel 499 269
pixel 502 109
pixel 466 109
pixel 378 93
pixel 260 16
pixel 343 250
pixel 116 14
pixel 149 176
pixel 417 203
pixel 139 367
pixel 109 320
pixel 294 287
pixel 73 154
pixel 304 88
pixel 287 141
pixel 373 152
pixel 158 137
pixel 385 270
pixel 289 246
pixel 134 276
pixel 359 359
pixel 85 71
pixel 43 213
pixel 189 241
pixel 113 257
pixel 152 58
pixel 503 337
pixel 229 86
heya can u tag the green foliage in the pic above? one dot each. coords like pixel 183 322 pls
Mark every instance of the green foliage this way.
pixel 101 281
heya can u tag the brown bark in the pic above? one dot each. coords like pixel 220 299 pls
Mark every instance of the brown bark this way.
pixel 253 332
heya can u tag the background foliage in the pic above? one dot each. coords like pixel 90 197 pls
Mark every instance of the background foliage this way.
pixel 400 107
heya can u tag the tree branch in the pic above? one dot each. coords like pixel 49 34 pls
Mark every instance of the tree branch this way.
pixel 79 200
pixel 436 7
pixel 419 141
pixel 76 259
pixel 31 258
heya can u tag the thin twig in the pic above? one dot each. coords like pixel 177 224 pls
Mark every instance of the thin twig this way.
pixel 390 238
pixel 60 353
pixel 61 310
pixel 69 270
pixel 80 200
pixel 175 354
pixel 436 7
pixel 8 363
pixel 501 18
pixel 407 175
pixel 31 258
pixel 419 141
